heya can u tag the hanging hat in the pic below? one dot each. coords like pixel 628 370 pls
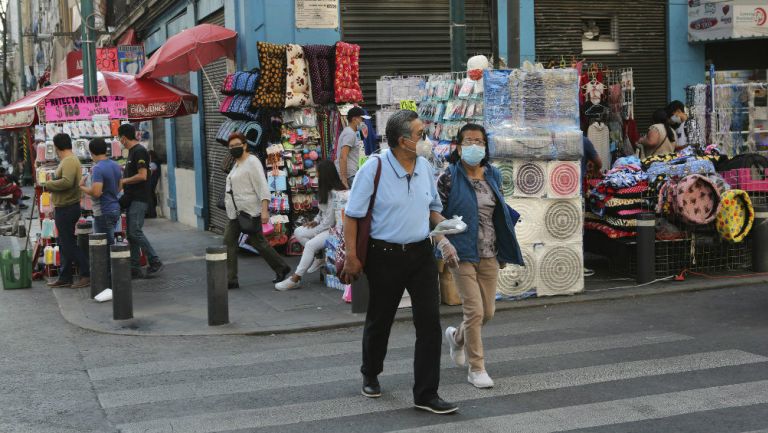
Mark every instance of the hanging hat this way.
pixel 734 221
pixel 696 199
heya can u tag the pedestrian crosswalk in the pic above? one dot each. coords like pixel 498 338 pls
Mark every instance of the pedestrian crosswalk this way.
pixel 550 377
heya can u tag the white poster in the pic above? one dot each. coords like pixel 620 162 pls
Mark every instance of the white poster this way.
pixel 317 14
pixel 734 19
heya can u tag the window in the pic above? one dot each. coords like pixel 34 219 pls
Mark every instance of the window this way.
pixel 185 154
pixel 600 35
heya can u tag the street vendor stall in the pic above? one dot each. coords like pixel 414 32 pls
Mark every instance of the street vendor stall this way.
pixel 62 108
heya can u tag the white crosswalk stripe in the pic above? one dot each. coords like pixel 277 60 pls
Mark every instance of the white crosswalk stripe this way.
pixel 325 349
pixel 613 412
pixel 350 406
pixel 331 374
pixel 257 388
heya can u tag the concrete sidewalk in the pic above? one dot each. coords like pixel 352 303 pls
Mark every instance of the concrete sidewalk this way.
pixel 174 302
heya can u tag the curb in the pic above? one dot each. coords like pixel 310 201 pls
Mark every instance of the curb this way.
pixel 73 313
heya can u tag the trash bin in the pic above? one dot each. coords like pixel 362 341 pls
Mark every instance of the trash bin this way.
pixel 17 271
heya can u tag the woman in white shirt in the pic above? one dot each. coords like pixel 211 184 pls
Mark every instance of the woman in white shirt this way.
pixel 247 191
pixel 313 234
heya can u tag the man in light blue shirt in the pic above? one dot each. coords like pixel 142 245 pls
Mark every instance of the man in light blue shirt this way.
pixel 399 256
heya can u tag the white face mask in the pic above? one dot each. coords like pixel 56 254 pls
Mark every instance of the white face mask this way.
pixel 423 148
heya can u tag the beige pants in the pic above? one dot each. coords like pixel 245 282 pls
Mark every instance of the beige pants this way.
pixel 477 286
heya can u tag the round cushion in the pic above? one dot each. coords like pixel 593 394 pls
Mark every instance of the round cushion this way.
pixel 736 215
pixel 696 199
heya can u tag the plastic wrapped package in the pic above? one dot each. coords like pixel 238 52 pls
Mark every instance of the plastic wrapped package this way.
pixel 569 144
pixel 522 143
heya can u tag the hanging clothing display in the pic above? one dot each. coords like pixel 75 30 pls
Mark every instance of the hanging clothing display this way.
pixel 599 133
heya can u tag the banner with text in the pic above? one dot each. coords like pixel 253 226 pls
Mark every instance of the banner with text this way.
pixel 85 107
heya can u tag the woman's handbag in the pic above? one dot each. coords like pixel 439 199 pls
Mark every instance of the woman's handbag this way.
pixel 249 224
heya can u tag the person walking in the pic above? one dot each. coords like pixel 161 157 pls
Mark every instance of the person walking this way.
pixel 349 144
pixel 135 184
pixel 104 187
pixel 65 197
pixel 471 188
pixel 314 234
pixel 399 256
pixel 247 191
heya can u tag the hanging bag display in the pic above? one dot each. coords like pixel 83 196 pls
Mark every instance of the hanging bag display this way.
pixel 249 224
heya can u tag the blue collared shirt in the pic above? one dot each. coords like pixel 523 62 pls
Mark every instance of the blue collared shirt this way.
pixel 403 202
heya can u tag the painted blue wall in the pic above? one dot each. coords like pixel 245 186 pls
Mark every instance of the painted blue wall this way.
pixel 527 32
pixel 686 61
pixel 270 21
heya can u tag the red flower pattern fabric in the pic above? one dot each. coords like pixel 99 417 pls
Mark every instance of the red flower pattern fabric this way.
pixel 347 83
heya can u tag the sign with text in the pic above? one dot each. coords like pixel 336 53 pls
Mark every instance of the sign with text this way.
pixel 85 107
pixel 106 60
pixel 317 14
pixel 727 19
pixel 408 105
pixel 130 58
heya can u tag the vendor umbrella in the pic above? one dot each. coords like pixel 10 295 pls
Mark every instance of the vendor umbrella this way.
pixel 190 50
pixel 147 99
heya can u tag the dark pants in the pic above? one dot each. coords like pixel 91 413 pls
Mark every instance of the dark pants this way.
pixel 231 238
pixel 136 239
pixel 66 218
pixel 390 271
pixel 106 223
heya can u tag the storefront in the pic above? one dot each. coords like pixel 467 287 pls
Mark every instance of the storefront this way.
pixel 408 38
pixel 614 33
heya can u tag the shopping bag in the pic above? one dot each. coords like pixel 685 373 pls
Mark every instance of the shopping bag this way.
pixel 449 293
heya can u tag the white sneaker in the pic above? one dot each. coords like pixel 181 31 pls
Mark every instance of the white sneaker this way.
pixel 316 266
pixel 288 284
pixel 457 352
pixel 480 379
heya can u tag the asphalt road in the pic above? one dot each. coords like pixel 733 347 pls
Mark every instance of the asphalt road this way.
pixel 694 362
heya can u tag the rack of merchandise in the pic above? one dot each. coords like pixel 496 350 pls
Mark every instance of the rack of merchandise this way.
pixel 292 107
pixel 532 118
pixel 81 132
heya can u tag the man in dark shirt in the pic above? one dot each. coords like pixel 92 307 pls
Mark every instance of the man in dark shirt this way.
pixel 135 184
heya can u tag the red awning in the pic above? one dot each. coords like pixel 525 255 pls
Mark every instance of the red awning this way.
pixel 147 99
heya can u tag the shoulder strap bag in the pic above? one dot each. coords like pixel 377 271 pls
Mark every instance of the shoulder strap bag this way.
pixel 249 224
pixel 364 225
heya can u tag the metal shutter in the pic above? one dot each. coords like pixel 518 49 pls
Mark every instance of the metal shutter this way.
pixel 642 43
pixel 214 151
pixel 400 37
pixel 185 154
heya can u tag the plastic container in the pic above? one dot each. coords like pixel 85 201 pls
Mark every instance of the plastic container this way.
pixel 49 255
pixel 16 271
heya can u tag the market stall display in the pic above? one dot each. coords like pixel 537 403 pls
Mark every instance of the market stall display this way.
pixel 532 117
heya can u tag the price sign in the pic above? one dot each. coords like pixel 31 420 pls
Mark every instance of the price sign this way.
pixel 408 105
pixel 85 107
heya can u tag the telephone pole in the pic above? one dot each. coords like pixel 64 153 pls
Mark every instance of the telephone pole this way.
pixel 88 35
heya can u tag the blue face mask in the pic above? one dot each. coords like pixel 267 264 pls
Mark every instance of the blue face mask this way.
pixel 473 154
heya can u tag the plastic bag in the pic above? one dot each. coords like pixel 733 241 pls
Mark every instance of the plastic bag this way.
pixel 452 226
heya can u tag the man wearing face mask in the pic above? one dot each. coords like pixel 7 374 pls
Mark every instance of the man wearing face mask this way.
pixel 66 195
pixel 348 147
pixel 677 118
pixel 399 256
pixel 471 188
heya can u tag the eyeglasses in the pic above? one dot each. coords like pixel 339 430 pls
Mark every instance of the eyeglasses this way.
pixel 470 142
pixel 423 136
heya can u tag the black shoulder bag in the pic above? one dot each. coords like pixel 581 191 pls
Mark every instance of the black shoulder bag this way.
pixel 249 224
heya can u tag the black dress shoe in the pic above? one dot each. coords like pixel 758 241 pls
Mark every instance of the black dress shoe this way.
pixel 371 387
pixel 280 275
pixel 437 405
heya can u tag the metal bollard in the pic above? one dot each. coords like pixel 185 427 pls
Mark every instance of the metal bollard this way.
pixel 122 292
pixel 99 262
pixel 760 240
pixel 218 292
pixel 82 243
pixel 646 247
